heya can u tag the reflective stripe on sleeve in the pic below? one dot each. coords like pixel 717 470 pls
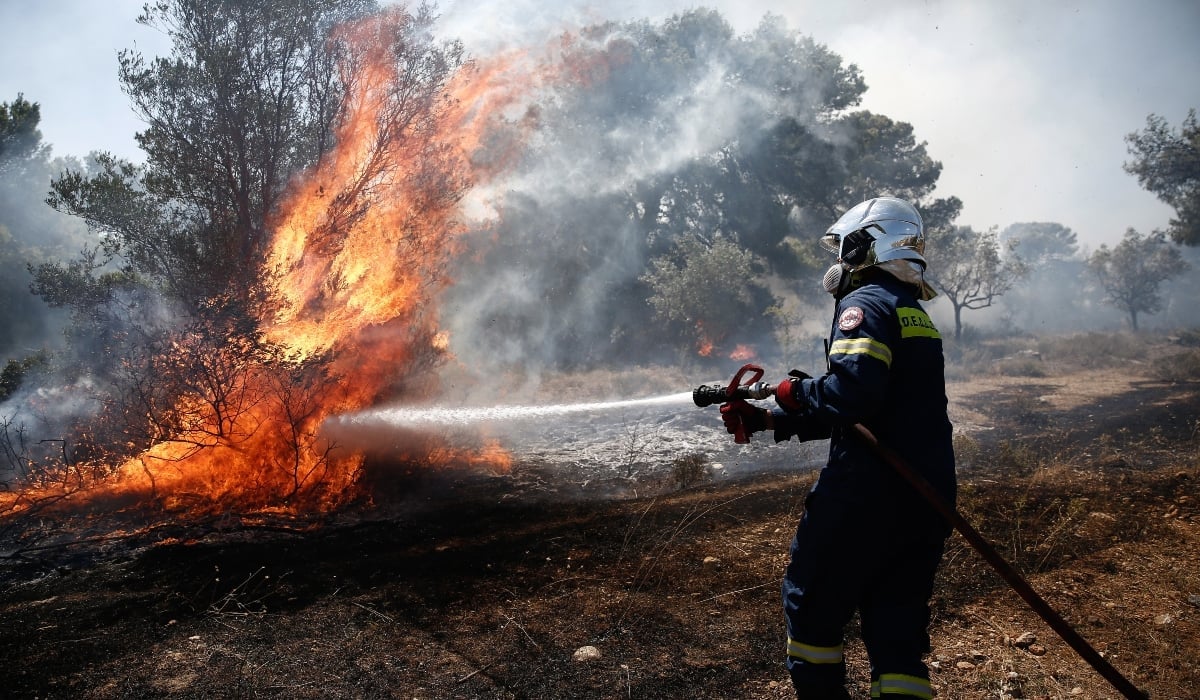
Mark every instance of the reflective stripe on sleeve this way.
pixel 901 684
pixel 814 654
pixel 862 346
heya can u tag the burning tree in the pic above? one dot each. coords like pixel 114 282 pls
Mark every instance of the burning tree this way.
pixel 273 261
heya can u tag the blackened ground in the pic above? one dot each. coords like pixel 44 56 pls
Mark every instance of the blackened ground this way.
pixel 466 585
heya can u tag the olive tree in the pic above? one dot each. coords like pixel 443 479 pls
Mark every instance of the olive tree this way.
pixel 248 96
pixel 1133 271
pixel 969 269
pixel 1055 270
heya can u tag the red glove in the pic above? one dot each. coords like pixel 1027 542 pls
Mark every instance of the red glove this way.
pixel 785 393
pixel 743 420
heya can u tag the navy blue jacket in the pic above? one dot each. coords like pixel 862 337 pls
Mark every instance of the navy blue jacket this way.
pixel 886 371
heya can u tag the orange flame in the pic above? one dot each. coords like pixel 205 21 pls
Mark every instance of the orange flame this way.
pixel 743 353
pixel 704 344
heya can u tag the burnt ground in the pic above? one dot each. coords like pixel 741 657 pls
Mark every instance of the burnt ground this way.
pixel 467 585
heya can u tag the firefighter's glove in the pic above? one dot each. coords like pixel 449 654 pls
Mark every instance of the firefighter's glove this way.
pixel 741 418
pixel 787 393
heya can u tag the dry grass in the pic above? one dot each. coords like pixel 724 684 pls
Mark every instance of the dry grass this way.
pixel 1178 367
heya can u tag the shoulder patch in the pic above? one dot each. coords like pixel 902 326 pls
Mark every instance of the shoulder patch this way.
pixel 851 318
pixel 915 323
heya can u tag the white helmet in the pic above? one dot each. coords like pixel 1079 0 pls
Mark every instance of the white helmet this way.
pixel 876 231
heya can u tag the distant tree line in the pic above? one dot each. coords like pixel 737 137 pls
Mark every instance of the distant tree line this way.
pixel 1134 276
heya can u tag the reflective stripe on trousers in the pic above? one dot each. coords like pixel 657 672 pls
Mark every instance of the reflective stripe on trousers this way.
pixel 810 653
pixel 899 684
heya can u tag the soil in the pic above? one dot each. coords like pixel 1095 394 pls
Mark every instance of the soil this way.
pixel 460 584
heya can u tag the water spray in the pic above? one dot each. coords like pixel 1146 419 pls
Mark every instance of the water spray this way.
pixel 441 415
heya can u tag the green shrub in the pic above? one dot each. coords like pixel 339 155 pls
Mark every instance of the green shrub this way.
pixel 690 469
pixel 14 372
pixel 1180 367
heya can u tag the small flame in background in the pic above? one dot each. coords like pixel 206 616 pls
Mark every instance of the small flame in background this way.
pixel 707 346
pixel 743 353
pixel 354 284
pixel 704 344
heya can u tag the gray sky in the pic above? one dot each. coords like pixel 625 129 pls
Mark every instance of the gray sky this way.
pixel 1025 102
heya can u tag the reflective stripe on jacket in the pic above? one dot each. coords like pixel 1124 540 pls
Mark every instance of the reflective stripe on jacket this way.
pixel 886 371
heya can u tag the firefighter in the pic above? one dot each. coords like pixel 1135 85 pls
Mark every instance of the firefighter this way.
pixel 867 541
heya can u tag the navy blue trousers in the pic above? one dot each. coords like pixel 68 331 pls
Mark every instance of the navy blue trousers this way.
pixel 879 559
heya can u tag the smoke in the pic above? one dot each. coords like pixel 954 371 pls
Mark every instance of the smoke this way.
pixel 52 397
pixel 39 425
pixel 31 233
pixel 625 132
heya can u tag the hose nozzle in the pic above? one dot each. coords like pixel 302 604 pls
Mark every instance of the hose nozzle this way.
pixel 709 394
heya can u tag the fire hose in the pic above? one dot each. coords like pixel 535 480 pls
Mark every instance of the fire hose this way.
pixel 742 388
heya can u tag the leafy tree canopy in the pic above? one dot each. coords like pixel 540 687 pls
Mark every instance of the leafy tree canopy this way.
pixel 30 231
pixel 706 290
pixel 1041 241
pixel 667 132
pixel 1132 272
pixel 1167 163
pixel 20 138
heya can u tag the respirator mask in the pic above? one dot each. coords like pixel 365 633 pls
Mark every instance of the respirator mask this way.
pixel 854 252
pixel 833 278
